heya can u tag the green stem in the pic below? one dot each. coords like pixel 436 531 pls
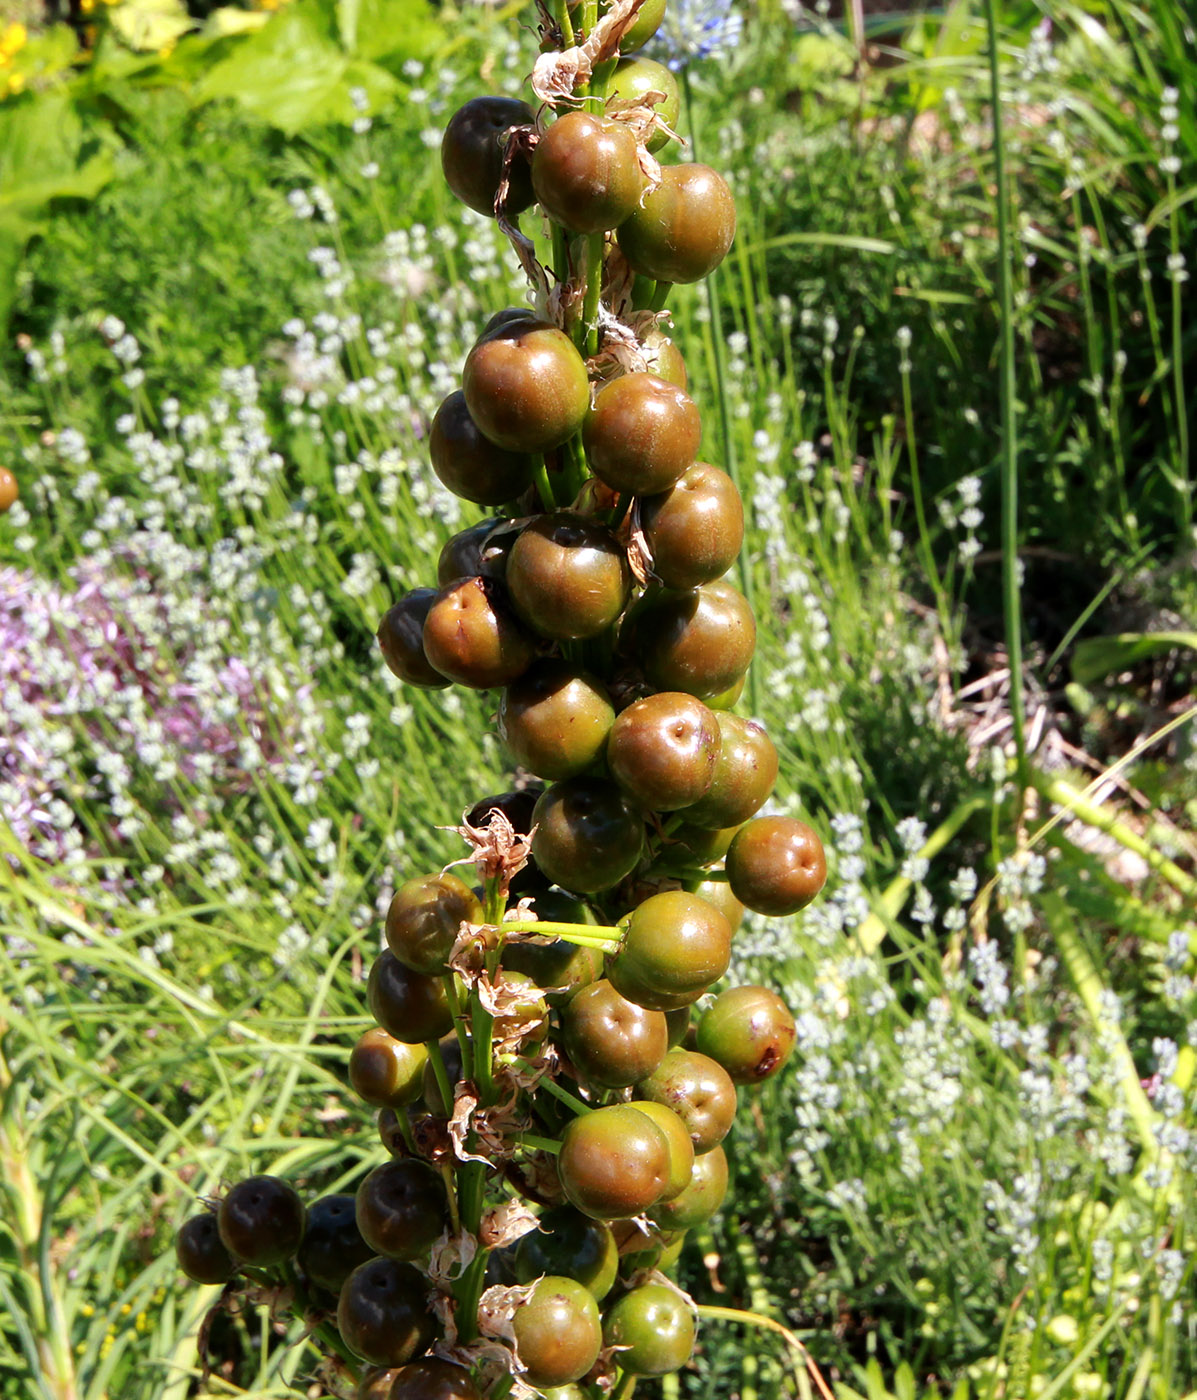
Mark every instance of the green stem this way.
pixel 594 284
pixel 1008 385
pixel 405 1132
pixel 539 1144
pixel 660 296
pixel 624 1386
pixel 615 520
pixel 605 937
pixel 1090 987
pixel 544 486
pixel 471 1285
pixel 324 1330
pixel 768 1324
pixel 440 1074
pixel 1093 814
pixel 451 1193
pixel 563 1095
pixel 464 1038
pixel 483 1025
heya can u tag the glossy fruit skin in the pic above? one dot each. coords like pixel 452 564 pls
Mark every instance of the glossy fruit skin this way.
pixel 526 386
pixel 654 1322
pixel 663 750
pixel 647 22
pixel 700 642
pixel 681 1149
pixel 691 847
pixel 586 173
pixel 699 1091
pixel 703 1195
pixel 568 576
pixel 557 1332
pixel 401 640
pixel 433 1379
pixel 695 528
pixel 471 636
pixel 682 230
pixel 401 1208
pixel 613 1163
pixel 384 1072
pixel 727 699
pixel 375 1383
pixel 642 433
pixel 749 1031
pixel 675 945
pixel 332 1244
pixel 634 78
pixel 261 1221
pixel 478 550
pixel 776 865
pixel 469 464
pixel 472 153
pixel 383 1314
pixel 612 1042
pixel 589 836
pixel 411 1007
pixel 555 720
pixel 9 490
pixel 665 359
pixel 679 1021
pixel 745 774
pixel 201 1254
pixel 451 1056
pixel 718 893
pixel 568 1243
pixel 425 917
pixel 561 968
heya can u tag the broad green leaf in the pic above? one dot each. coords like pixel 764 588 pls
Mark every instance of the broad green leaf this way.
pixel 379 29
pixel 150 25
pixel 44 154
pixel 875 1382
pixel 228 19
pixel 293 72
pixel 15 233
pixel 1102 656
pixel 904 1387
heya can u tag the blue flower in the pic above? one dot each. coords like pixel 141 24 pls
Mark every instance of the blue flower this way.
pixel 694 30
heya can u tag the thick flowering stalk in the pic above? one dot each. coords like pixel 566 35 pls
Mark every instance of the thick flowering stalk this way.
pixel 550 1141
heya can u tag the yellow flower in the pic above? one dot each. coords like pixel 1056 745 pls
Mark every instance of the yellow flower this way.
pixel 16 83
pixel 87 6
pixel 13 38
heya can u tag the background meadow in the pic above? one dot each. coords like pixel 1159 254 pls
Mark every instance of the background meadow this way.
pixel 235 290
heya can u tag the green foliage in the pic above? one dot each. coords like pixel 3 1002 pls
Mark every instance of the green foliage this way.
pixel 934 1196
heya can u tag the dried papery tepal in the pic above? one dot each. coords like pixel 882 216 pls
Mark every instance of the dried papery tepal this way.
pixel 551 1094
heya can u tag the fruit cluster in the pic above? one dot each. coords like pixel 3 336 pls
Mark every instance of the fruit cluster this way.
pixel 553 1116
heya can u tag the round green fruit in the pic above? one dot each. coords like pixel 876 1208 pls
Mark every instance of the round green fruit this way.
pixel 776 865
pixel 749 1031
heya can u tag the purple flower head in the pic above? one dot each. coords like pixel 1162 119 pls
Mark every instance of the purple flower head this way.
pixel 101 698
